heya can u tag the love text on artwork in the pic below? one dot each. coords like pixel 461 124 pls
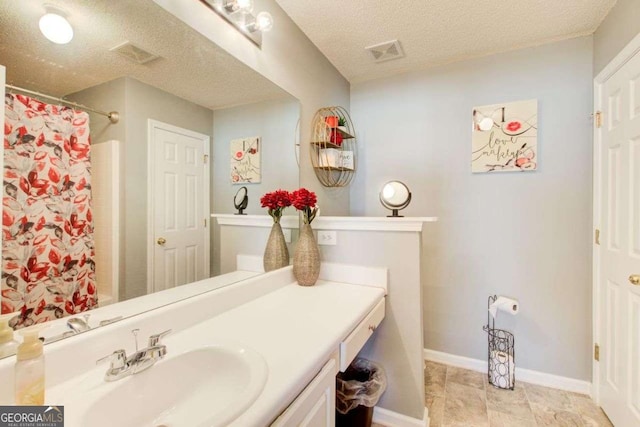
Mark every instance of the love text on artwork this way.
pixel 500 148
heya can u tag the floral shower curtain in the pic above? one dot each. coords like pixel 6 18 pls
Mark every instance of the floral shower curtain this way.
pixel 48 268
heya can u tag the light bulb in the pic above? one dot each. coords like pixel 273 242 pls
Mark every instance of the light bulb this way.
pixel 245 6
pixel 264 21
pixel 56 28
pixel 485 124
pixel 388 192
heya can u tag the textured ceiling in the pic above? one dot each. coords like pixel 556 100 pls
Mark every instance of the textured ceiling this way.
pixel 191 66
pixel 436 32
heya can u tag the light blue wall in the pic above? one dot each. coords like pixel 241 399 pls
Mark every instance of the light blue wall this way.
pixel 526 235
pixel 275 122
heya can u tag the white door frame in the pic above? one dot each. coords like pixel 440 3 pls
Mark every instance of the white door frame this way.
pixel 624 56
pixel 151 151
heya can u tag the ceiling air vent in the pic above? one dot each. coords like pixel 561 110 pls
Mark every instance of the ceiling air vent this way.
pixel 134 53
pixel 386 51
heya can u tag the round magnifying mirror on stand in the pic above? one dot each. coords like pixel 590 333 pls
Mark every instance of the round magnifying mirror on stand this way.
pixel 395 195
pixel 241 200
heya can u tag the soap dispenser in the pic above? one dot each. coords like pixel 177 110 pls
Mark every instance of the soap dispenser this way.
pixel 8 345
pixel 29 381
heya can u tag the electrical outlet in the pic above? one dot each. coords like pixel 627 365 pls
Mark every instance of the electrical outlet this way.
pixel 287 234
pixel 326 237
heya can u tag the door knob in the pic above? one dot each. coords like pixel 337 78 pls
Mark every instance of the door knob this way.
pixel 162 241
pixel 635 279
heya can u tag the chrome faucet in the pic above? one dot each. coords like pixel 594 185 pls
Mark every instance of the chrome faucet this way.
pixel 78 325
pixel 123 366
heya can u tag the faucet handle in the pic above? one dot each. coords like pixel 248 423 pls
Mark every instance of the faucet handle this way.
pixel 118 359
pixel 155 339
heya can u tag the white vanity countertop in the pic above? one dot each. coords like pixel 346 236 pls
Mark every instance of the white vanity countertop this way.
pixel 295 329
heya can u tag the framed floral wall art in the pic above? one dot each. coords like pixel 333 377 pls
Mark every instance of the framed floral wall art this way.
pixel 505 137
pixel 245 160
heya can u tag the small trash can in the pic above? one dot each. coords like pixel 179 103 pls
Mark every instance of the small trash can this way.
pixel 358 390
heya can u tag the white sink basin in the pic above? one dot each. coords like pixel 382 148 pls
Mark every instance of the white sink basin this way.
pixel 209 386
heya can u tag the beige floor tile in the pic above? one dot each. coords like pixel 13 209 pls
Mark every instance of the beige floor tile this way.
pixel 553 417
pixel 460 398
pixel 511 402
pixel 435 376
pixel 597 421
pixel 466 377
pixel 498 419
pixel 548 397
pixel 464 406
pixel 591 414
pixel 435 405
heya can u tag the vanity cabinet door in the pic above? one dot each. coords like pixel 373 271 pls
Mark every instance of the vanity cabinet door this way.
pixel 316 405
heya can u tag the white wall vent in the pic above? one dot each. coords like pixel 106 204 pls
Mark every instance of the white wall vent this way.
pixel 386 51
pixel 134 53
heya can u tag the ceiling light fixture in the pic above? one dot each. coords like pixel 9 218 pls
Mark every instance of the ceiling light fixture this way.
pixel 264 21
pixel 54 25
pixel 244 6
pixel 239 13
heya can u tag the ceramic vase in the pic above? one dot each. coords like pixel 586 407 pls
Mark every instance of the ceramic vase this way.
pixel 276 254
pixel 306 260
pixel 332 121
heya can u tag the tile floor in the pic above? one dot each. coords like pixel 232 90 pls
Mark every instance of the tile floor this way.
pixel 458 397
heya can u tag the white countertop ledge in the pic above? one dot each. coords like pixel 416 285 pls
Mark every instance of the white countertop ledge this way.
pixel 287 221
pixel 355 223
pixel 371 223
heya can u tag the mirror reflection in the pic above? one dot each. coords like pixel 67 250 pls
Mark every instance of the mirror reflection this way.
pixel 97 213
pixel 241 200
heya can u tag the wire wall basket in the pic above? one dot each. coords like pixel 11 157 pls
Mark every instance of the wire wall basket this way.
pixel 500 354
pixel 333 147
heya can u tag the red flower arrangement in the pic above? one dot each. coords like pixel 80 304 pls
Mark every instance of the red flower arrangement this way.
pixel 305 201
pixel 276 201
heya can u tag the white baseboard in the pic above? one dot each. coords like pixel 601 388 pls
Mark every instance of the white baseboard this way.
pixel 526 375
pixel 393 419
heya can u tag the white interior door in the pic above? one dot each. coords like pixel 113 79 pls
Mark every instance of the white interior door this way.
pixel 618 295
pixel 179 234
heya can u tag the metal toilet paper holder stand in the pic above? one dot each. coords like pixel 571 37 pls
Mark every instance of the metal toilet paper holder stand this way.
pixel 501 354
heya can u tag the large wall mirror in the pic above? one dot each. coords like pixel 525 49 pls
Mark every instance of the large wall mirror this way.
pixel 98 224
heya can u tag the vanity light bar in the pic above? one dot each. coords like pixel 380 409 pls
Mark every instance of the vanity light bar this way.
pixel 239 13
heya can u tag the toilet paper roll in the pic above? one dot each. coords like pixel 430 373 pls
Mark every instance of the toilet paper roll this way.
pixel 505 305
pixel 501 369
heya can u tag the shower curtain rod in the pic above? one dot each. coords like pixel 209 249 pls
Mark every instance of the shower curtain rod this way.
pixel 113 116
